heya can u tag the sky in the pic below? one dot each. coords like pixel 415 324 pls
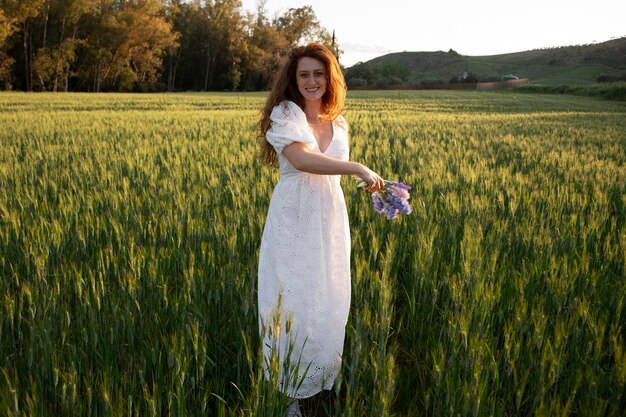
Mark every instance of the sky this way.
pixel 366 29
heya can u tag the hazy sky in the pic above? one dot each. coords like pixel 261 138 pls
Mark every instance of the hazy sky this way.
pixel 366 29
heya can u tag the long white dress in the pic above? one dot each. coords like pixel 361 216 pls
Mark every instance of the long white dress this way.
pixel 304 260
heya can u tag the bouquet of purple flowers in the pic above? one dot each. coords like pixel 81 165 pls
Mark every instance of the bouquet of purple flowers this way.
pixel 392 199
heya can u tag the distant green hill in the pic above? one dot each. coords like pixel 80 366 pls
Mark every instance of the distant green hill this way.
pixel 581 64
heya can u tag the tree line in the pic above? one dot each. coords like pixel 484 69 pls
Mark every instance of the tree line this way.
pixel 147 45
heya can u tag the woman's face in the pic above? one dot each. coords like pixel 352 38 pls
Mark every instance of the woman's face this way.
pixel 311 78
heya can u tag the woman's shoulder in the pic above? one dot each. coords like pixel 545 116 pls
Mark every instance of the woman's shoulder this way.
pixel 286 110
pixel 288 124
pixel 341 122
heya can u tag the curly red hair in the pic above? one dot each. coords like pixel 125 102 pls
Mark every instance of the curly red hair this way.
pixel 286 88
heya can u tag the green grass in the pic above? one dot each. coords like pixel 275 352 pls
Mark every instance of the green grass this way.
pixel 580 65
pixel 129 234
pixel 610 91
pixel 579 75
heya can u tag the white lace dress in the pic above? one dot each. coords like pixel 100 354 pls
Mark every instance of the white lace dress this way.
pixel 305 260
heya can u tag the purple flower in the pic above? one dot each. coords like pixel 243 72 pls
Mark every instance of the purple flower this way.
pixel 379 205
pixel 400 203
pixel 397 190
pixel 399 185
pixel 392 199
pixel 391 212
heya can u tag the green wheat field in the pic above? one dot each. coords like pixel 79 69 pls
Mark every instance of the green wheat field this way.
pixel 129 236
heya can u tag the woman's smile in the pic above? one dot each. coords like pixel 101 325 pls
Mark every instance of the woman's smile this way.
pixel 311 78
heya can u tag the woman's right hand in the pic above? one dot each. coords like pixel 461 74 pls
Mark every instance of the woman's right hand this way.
pixel 373 180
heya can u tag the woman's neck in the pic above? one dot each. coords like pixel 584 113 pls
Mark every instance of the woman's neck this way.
pixel 312 110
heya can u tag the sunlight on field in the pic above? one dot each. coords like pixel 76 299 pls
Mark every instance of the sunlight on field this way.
pixel 129 234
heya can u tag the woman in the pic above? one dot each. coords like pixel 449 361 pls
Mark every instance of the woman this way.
pixel 304 260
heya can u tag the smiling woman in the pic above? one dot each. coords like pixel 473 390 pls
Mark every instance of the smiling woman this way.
pixel 311 78
pixel 304 260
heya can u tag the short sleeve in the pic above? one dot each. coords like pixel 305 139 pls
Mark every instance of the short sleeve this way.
pixel 287 125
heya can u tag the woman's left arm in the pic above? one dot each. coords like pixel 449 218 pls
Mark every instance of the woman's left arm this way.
pixel 302 159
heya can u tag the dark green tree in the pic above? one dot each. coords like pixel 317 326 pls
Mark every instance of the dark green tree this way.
pixel 60 39
pixel 300 26
pixel 140 45
pixel 17 17
pixel 6 61
pixel 226 45
pixel 125 47
pixel 266 48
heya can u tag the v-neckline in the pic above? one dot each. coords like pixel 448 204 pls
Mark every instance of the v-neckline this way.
pixel 332 125
pixel 332 138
